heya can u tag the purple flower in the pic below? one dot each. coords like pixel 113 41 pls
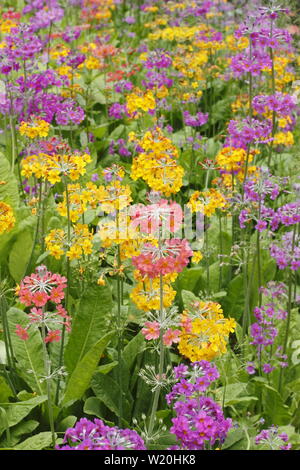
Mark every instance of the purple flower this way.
pixel 267 368
pixel 261 225
pixel 251 368
pixel 195 121
pixel 95 177
pixel 129 19
pixel 89 435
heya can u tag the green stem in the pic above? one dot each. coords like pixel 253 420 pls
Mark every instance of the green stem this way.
pixel 13 142
pixel 7 345
pixel 47 366
pixel 36 233
pixel 161 358
pixel 221 252
pixel 63 333
pixel 289 311
pixel 246 314
pixel 120 339
pixel 259 276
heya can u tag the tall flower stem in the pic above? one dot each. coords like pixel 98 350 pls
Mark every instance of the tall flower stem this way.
pixel 273 92
pixel 47 367
pixel 13 142
pixel 207 254
pixel 221 252
pixel 120 335
pixel 289 311
pixel 259 273
pixel 246 314
pixel 63 333
pixel 161 356
pixel 37 227
pixel 7 344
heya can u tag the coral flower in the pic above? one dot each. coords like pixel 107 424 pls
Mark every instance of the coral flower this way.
pixel 151 330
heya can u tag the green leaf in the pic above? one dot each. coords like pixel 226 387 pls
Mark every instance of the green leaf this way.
pixel 234 436
pixel 188 298
pixel 19 255
pixel 117 132
pixel 94 406
pixel 132 349
pixel 16 432
pixel 5 391
pixel 9 191
pixel 106 368
pixel 38 442
pixel 231 392
pixel 190 280
pixel 108 391
pixel 66 423
pixel 100 131
pixel 89 324
pixel 274 407
pixel 29 353
pixel 16 412
pixel 80 378
pixel 233 304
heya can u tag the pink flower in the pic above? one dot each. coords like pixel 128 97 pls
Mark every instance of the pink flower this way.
pixel 40 299
pixel 164 215
pixel 53 335
pixel 57 294
pixel 35 315
pixel 151 330
pixel 22 332
pixel 172 256
pixel 171 336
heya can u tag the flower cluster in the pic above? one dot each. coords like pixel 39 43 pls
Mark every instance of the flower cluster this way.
pixel 156 163
pixel 55 166
pixel 248 131
pixel 232 162
pixel 95 435
pixel 286 251
pixel 205 331
pixel 199 422
pixel 207 202
pixel 265 330
pixel 146 295
pixel 7 218
pixel 37 291
pixel 167 257
pixel 138 100
pixel 35 128
pixel 80 244
pixel 271 439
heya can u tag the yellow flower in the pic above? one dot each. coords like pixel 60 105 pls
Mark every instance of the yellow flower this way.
pixel 35 128
pixel 7 219
pixel 81 242
pixel 101 281
pixel 157 165
pixel 206 202
pixel 146 294
pixel 140 100
pixel 197 257
pixel 205 331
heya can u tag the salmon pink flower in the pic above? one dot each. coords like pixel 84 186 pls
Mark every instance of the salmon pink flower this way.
pixel 52 336
pixel 151 330
pixel 22 332
pixel 171 336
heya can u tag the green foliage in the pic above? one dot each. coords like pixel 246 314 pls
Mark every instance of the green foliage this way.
pixel 81 375
pixel 16 412
pixel 89 324
pixel 29 353
pixel 20 254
